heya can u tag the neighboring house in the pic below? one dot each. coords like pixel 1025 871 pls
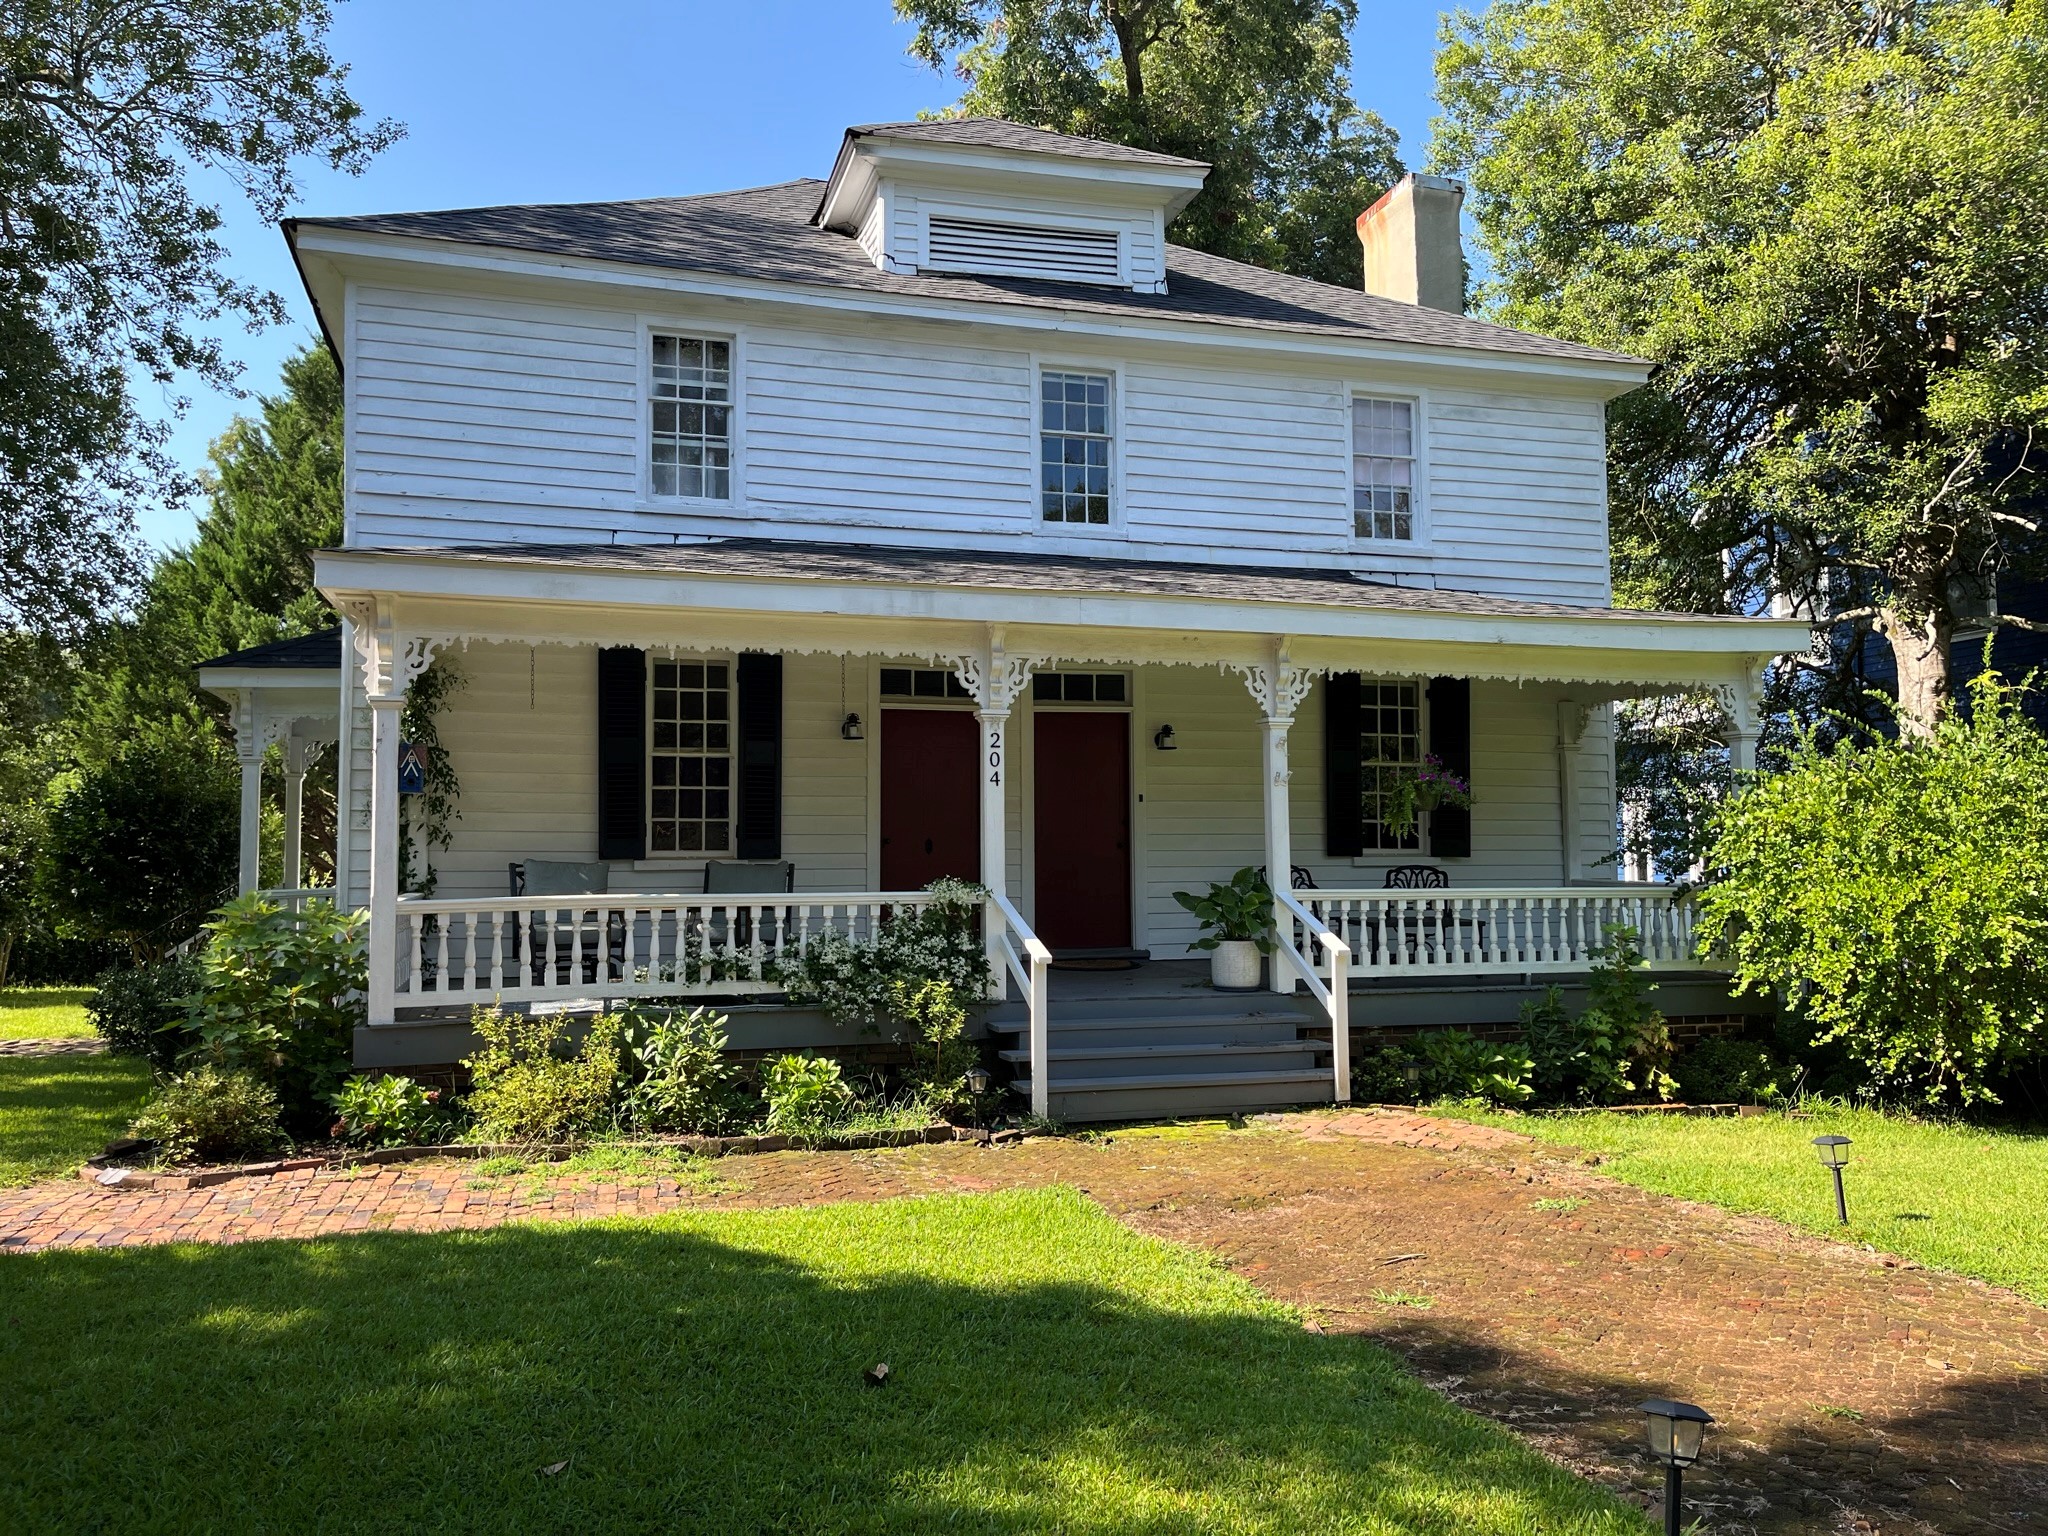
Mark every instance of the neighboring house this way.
pixel 814 541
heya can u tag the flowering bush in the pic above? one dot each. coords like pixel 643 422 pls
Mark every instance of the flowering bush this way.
pixel 211 1114
pixel 526 1086
pixel 855 981
pixel 806 1095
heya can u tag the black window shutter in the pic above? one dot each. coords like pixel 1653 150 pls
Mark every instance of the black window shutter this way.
pixel 760 768
pixel 621 753
pixel 1343 786
pixel 1450 740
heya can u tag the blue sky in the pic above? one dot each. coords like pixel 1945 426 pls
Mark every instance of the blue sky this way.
pixel 537 101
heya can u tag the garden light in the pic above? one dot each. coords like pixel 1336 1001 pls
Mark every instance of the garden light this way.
pixel 1834 1152
pixel 1676 1430
pixel 978 1080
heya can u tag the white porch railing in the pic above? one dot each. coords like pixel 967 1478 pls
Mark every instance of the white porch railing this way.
pixel 1479 931
pixel 1304 940
pixel 542 949
pixel 294 898
pixel 1010 931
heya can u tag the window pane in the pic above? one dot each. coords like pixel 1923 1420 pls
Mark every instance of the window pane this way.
pixel 690 424
pixel 691 748
pixel 1383 468
pixel 1074 448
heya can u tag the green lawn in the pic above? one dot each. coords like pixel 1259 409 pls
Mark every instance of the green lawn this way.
pixel 1955 1196
pixel 56 1111
pixel 1049 1371
pixel 43 1013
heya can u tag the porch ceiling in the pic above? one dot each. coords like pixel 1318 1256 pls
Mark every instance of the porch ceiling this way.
pixel 853 599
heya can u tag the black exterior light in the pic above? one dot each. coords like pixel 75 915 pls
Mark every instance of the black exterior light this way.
pixel 850 729
pixel 1834 1152
pixel 1163 739
pixel 1676 1430
pixel 978 1080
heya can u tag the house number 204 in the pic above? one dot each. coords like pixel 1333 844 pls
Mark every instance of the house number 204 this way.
pixel 995 756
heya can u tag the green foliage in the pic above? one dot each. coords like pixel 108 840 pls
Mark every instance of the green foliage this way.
pixel 1822 220
pixel 806 1095
pixel 940 1054
pixel 21 851
pixel 1240 908
pixel 527 1087
pixel 392 1111
pixel 1459 1065
pixel 1614 1051
pixel 1897 892
pixel 211 1114
pixel 141 1010
pixel 1260 89
pixel 140 848
pixel 686 1082
pixel 1385 1072
pixel 1424 787
pixel 856 981
pixel 432 810
pixel 280 995
pixel 111 269
pixel 1722 1070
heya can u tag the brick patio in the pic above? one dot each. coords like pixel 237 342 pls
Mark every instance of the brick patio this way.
pixel 1557 1322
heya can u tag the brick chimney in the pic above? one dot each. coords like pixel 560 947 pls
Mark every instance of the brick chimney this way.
pixel 1412 249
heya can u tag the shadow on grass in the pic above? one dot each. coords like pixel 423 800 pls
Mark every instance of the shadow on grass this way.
pixel 56 1111
pixel 1049 1370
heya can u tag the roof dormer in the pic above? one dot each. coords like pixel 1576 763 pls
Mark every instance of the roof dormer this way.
pixel 990 198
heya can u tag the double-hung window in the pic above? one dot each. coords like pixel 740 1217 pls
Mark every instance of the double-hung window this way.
pixel 1075 437
pixel 1390 748
pixel 690 436
pixel 690 790
pixel 1383 468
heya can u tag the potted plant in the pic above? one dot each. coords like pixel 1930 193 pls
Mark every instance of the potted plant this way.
pixel 1423 787
pixel 1237 923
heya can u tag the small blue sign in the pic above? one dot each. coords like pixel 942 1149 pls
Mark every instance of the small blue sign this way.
pixel 412 769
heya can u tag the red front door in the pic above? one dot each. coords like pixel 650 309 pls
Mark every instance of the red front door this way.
pixel 931 802
pixel 1082 838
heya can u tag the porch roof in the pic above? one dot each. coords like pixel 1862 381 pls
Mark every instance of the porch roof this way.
pixel 785 594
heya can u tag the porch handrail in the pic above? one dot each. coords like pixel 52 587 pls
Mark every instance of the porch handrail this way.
pixel 1334 995
pixel 1030 970
pixel 1508 929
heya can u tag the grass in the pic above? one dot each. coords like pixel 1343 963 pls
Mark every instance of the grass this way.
pixel 1049 1370
pixel 56 1111
pixel 44 1013
pixel 1958 1197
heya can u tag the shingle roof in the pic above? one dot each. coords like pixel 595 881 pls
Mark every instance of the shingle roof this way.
pixel 321 649
pixel 999 133
pixel 783 559
pixel 766 233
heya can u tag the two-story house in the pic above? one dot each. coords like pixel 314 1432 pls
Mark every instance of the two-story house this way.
pixel 799 545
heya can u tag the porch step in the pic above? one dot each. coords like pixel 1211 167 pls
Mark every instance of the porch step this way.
pixel 1172 1058
pixel 1158 1095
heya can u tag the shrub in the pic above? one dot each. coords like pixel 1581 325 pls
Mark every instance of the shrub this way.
pixel 1719 1070
pixel 525 1087
pixel 855 981
pixel 141 1010
pixel 1383 1072
pixel 1615 1050
pixel 1897 891
pixel 1460 1065
pixel 388 1112
pixel 211 1114
pixel 806 1095
pixel 280 996
pixel 686 1081
pixel 940 1054
pixel 139 849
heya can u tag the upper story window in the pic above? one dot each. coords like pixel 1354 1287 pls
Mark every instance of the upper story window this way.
pixel 1383 468
pixel 691 437
pixel 1390 745
pixel 1074 444
pixel 690 786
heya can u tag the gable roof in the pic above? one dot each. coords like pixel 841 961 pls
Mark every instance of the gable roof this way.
pixel 766 233
pixel 1000 133
pixel 319 650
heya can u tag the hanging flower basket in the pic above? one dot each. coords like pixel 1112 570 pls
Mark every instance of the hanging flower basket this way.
pixel 1423 787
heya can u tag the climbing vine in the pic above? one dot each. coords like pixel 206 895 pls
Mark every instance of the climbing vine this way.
pixel 433 811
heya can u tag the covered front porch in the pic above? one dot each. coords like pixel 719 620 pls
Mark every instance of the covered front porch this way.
pixel 1084 753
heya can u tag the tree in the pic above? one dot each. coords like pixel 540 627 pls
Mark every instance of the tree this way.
pixel 1260 89
pixel 111 262
pixel 1822 218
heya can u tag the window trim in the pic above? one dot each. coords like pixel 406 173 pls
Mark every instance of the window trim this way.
pixel 1424 529
pixel 652 325
pixel 1061 362
pixel 1382 858
pixel 669 857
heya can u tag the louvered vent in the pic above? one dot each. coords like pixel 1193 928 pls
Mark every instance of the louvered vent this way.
pixel 1022 250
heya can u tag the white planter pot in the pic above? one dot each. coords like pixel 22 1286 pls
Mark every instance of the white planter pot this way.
pixel 1234 966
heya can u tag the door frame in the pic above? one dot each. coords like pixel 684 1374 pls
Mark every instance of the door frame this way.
pixel 872 705
pixel 1025 774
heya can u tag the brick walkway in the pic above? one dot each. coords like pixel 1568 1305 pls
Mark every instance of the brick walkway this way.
pixel 1855 1393
pixel 83 1045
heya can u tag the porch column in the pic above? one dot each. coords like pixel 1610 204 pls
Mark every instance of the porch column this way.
pixel 249 755
pixel 1742 703
pixel 1572 719
pixel 294 807
pixel 1277 687
pixel 995 679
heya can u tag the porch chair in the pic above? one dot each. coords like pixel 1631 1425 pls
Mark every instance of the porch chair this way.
pixel 1423 877
pixel 556 877
pixel 739 877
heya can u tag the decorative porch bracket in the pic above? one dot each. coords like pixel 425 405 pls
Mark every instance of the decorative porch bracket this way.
pixel 1278 688
pixel 1742 702
pixel 995 678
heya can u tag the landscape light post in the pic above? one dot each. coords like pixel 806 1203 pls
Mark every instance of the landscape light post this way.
pixel 1676 1430
pixel 1834 1152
